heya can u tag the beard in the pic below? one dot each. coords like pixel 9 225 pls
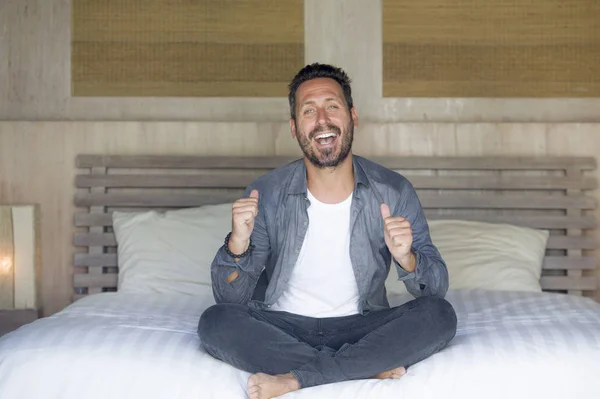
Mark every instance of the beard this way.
pixel 328 157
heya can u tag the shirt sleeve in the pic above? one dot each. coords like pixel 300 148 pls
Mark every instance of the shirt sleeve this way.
pixel 430 277
pixel 249 267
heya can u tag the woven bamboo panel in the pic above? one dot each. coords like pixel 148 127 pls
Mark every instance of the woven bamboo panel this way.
pixel 503 48
pixel 200 48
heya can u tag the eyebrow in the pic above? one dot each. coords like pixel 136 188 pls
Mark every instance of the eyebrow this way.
pixel 327 99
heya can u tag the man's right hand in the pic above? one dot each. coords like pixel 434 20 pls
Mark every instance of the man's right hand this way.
pixel 244 211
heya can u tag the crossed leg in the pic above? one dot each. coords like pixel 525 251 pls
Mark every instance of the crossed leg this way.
pixel 381 344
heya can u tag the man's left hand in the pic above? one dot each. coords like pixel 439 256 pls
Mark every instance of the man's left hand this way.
pixel 398 238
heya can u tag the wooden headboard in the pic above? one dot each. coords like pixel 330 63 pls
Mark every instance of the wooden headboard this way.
pixel 541 192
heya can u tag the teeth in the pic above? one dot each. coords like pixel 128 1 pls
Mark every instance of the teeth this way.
pixel 324 136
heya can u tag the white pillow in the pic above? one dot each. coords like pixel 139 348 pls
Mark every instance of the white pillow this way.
pixel 169 252
pixel 486 256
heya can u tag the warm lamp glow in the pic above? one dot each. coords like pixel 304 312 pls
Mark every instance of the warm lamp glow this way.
pixel 5 264
pixel 18 256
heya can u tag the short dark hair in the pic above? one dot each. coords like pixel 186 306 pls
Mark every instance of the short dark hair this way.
pixel 314 71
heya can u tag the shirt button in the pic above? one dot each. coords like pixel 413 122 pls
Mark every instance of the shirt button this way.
pixel 305 223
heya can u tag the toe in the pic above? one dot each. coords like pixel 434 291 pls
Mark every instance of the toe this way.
pixel 397 373
pixel 253 380
pixel 254 392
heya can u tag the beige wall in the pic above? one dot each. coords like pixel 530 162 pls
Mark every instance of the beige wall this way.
pixel 44 127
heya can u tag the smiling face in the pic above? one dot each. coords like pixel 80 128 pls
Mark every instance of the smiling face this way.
pixel 324 127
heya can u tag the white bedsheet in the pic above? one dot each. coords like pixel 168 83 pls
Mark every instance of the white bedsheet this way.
pixel 115 345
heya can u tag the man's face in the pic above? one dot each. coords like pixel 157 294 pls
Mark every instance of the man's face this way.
pixel 324 127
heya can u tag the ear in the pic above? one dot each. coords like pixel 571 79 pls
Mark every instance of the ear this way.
pixel 293 128
pixel 354 117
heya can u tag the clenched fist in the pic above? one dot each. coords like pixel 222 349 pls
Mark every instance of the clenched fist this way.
pixel 244 211
pixel 398 238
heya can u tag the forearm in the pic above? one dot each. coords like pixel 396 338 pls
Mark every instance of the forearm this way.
pixel 409 262
pixel 226 288
pixel 430 275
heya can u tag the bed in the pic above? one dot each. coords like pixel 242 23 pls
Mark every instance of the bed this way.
pixel 146 223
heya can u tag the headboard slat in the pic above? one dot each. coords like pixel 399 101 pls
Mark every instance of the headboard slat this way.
pixel 234 180
pixel 95 249
pixel 83 219
pixel 566 242
pixel 396 162
pixel 180 162
pixel 559 263
pixel 511 201
pixel 573 173
pixel 550 262
pixel 95 280
pixel 538 222
pixel 175 200
pixel 96 260
pixel 554 241
pixel 547 282
pixel 239 179
pixel 568 283
pixel 94 239
pixel 428 200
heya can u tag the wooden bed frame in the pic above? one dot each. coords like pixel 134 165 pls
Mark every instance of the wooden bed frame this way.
pixel 540 192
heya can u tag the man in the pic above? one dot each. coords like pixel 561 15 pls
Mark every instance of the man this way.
pixel 299 282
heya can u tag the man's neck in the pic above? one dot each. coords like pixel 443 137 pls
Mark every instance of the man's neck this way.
pixel 331 185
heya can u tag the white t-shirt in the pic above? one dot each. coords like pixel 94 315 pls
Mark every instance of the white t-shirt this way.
pixel 322 283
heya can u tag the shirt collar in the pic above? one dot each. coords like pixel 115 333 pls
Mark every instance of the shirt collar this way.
pixel 298 178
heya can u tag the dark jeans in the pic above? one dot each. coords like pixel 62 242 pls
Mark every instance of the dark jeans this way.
pixel 327 350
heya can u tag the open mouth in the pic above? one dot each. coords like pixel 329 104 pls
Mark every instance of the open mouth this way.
pixel 326 139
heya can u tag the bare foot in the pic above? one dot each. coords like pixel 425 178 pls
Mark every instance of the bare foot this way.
pixel 391 374
pixel 265 386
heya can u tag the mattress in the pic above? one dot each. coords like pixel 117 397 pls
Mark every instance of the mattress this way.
pixel 119 345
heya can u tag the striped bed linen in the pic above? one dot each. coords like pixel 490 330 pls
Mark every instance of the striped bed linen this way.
pixel 121 345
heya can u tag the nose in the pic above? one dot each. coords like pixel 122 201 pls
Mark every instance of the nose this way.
pixel 322 117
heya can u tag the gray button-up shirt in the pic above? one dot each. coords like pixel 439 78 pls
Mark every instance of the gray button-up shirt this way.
pixel 282 223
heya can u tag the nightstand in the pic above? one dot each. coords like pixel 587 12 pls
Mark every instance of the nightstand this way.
pixel 11 319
